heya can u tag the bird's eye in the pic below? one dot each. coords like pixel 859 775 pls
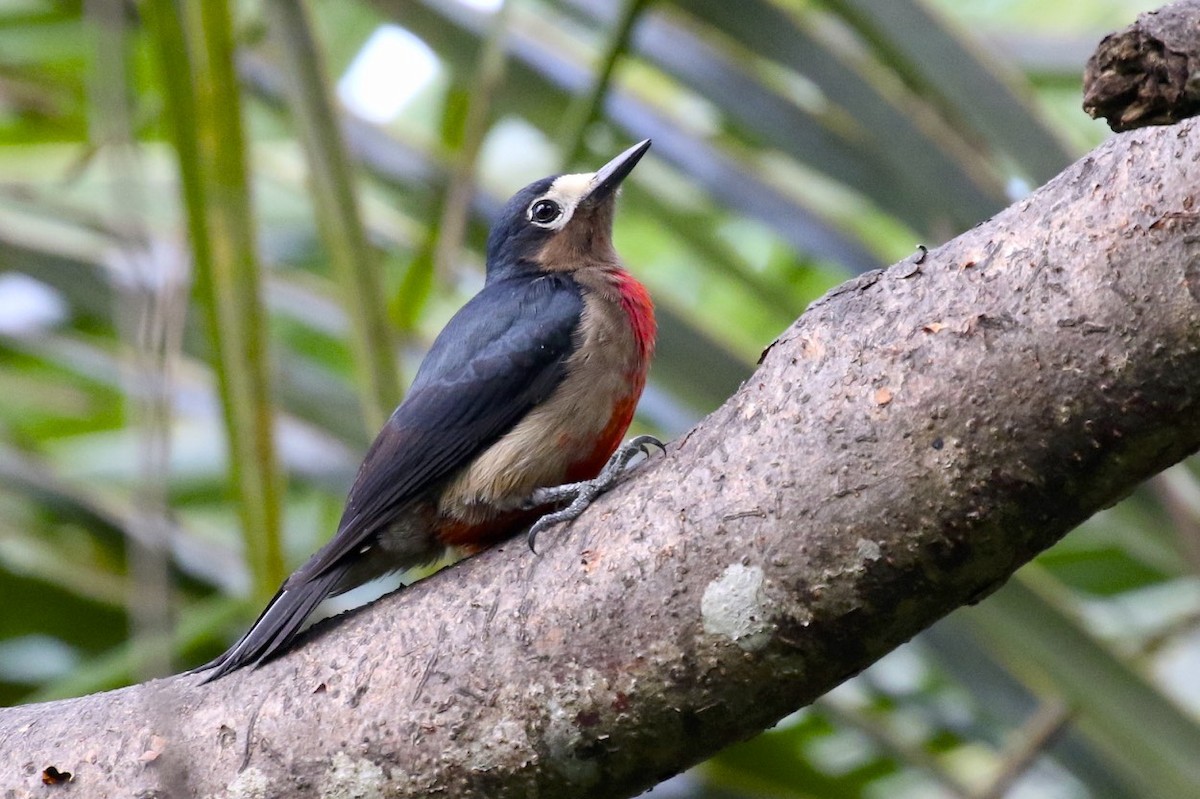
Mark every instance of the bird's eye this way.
pixel 543 212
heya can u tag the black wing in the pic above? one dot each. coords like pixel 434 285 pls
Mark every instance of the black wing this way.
pixel 500 356
pixel 502 353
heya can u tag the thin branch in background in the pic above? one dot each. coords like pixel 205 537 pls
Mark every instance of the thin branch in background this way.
pixel 586 107
pixel 1028 744
pixel 1179 492
pixel 912 754
pixel 150 309
pixel 456 205
pixel 1184 625
pixel 338 212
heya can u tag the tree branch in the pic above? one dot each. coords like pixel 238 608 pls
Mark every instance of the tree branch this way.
pixel 1148 73
pixel 915 437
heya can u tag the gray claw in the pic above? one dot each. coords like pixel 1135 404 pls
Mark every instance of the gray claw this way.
pixel 583 493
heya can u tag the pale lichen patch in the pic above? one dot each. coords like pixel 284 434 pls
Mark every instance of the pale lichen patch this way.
pixel 868 550
pixel 250 784
pixel 733 606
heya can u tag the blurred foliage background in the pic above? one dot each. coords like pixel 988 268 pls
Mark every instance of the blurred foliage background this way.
pixel 228 231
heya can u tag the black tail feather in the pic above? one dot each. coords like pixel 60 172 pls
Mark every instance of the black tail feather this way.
pixel 275 627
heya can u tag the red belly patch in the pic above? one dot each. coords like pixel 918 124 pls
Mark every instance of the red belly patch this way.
pixel 588 466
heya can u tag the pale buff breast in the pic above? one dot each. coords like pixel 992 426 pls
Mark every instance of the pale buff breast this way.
pixel 543 445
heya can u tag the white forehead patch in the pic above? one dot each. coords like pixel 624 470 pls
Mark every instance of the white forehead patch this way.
pixel 570 188
pixel 567 191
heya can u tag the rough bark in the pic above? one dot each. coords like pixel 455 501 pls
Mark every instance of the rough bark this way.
pixel 915 437
pixel 1148 73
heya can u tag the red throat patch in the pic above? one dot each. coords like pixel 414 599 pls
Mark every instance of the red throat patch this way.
pixel 636 302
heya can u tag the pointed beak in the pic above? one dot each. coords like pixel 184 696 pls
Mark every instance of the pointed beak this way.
pixel 608 178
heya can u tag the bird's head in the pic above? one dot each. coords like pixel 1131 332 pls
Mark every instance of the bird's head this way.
pixel 563 222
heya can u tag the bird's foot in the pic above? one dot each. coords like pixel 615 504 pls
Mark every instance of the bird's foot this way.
pixel 581 494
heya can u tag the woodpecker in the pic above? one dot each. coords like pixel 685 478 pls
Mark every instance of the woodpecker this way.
pixel 516 415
